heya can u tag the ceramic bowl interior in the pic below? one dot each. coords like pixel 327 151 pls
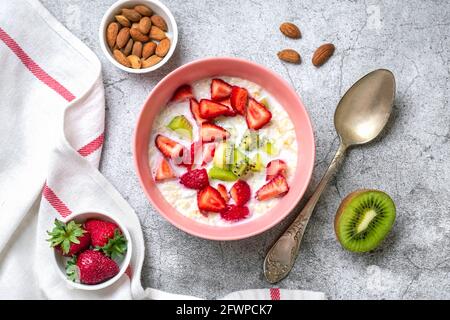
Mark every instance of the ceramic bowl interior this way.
pixel 159 9
pixel 60 261
pixel 279 89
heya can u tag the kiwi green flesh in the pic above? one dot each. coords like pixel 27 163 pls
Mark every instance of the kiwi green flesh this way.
pixel 364 219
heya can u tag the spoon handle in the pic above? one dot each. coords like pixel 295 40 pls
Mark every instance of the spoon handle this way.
pixel 281 257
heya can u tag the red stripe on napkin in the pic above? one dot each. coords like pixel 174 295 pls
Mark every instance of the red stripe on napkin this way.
pixel 35 68
pixel 274 293
pixel 92 146
pixel 53 84
pixel 56 203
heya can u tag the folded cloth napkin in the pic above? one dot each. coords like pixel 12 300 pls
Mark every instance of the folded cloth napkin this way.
pixel 51 136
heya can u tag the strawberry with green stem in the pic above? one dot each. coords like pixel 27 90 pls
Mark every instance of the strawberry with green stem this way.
pixel 107 238
pixel 69 238
pixel 91 267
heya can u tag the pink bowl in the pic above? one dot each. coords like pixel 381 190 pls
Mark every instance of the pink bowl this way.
pixel 279 89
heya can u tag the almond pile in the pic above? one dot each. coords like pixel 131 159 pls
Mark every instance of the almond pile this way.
pixel 320 56
pixel 137 37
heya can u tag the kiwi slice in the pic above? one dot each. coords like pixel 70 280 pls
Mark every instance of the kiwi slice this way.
pixel 221 174
pixel 223 155
pixel 250 140
pixel 363 220
pixel 181 125
pixel 240 168
pixel 257 165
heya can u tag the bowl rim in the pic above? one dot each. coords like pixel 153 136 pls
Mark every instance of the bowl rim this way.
pixel 107 18
pixel 212 236
pixel 124 264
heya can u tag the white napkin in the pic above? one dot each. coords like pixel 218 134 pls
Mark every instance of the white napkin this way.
pixel 51 135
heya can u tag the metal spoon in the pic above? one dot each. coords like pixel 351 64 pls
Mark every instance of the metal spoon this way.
pixel 360 116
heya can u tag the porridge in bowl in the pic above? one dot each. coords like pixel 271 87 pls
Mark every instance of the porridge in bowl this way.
pixel 223 151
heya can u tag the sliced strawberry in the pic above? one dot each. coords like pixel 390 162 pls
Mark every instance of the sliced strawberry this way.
pixel 164 171
pixel 183 93
pixel 208 151
pixel 240 192
pixel 274 168
pixel 223 192
pixel 209 199
pixel 257 115
pixel 227 102
pixel 195 179
pixel 220 89
pixel 234 213
pixel 276 187
pixel 195 110
pixel 210 109
pixel 210 132
pixel 169 148
pixel 239 99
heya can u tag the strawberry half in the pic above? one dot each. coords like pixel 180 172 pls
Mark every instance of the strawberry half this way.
pixel 276 187
pixel 195 110
pixel 223 192
pixel 234 213
pixel 239 99
pixel 93 267
pixel 164 171
pixel 274 168
pixel 210 132
pixel 227 102
pixel 240 192
pixel 220 89
pixel 169 148
pixel 195 179
pixel 257 115
pixel 182 93
pixel 210 109
pixel 209 199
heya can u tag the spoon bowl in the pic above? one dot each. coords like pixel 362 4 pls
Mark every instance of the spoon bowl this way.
pixel 364 110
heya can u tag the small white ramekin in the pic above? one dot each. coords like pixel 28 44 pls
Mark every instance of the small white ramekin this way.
pixel 159 9
pixel 60 260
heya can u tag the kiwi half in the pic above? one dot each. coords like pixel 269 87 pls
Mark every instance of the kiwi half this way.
pixel 363 220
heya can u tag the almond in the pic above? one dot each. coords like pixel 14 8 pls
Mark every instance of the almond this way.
pixel 144 25
pixel 131 14
pixel 159 22
pixel 148 49
pixel 123 21
pixel 163 47
pixel 121 58
pixel 144 10
pixel 111 34
pixel 127 49
pixel 137 49
pixel 138 36
pixel 157 34
pixel 289 55
pixel 154 59
pixel 322 54
pixel 135 61
pixel 122 37
pixel 290 30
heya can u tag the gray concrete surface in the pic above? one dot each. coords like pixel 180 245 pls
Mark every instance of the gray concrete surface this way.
pixel 411 162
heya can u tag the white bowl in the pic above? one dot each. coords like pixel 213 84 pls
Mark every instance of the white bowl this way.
pixel 60 261
pixel 158 8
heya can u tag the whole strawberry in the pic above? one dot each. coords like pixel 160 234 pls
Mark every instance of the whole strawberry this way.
pixel 69 239
pixel 91 267
pixel 106 237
